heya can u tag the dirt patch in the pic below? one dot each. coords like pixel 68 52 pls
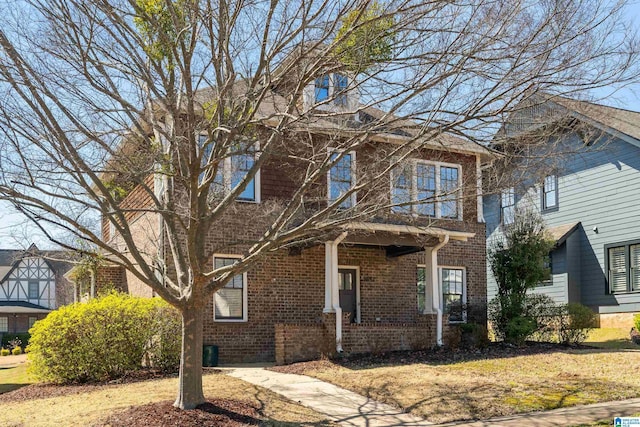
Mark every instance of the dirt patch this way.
pixel 215 412
pixel 433 357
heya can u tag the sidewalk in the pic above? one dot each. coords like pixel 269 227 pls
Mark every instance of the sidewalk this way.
pixel 351 409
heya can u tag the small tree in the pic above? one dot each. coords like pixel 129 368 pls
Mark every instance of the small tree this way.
pixel 518 264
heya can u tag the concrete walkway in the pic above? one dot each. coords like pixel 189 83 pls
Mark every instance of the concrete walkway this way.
pixel 351 409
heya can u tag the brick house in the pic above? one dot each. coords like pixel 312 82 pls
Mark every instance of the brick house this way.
pixel 393 281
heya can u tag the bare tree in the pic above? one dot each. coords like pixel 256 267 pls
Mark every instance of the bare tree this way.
pixel 148 112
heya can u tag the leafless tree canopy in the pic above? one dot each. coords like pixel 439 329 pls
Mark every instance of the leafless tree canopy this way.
pixel 169 98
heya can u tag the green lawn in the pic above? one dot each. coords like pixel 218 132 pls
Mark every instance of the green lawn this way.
pixel 13 377
pixel 611 338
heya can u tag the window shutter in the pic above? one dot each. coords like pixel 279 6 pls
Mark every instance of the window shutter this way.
pixel 635 267
pixel 617 270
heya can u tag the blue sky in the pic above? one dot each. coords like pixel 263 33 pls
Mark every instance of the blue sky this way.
pixel 16 233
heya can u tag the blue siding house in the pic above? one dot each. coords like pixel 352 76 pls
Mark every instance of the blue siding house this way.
pixel 589 197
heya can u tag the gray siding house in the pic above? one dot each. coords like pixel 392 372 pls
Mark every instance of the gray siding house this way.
pixel 589 198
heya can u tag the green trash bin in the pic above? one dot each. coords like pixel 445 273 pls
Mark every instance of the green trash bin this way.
pixel 209 356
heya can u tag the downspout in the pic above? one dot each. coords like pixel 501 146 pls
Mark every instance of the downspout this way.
pixel 435 286
pixel 335 294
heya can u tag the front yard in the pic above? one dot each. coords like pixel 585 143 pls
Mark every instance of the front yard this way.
pixel 450 387
pixel 235 403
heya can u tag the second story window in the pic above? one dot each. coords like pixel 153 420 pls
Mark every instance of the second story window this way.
pixel 550 192
pixel 341 179
pixel 322 88
pixel 508 206
pixel 34 289
pixel 233 169
pixel 340 83
pixel 424 188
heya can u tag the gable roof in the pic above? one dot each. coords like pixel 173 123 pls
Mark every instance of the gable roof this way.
pixel 10 259
pixel 542 109
pixel 22 307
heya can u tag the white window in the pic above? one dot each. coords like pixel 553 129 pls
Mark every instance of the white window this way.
pixel 421 289
pixel 426 188
pixel 233 170
pixel 322 88
pixel 454 293
pixel 34 289
pixel 550 192
pixel 4 324
pixel 32 321
pixel 341 179
pixel 508 206
pixel 331 85
pixel 623 267
pixel 231 301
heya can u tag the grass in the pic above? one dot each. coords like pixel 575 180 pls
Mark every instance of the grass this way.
pixel 13 376
pixel 488 388
pixel 611 338
pixel 91 407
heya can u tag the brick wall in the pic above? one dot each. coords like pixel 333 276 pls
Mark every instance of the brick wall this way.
pixel 111 276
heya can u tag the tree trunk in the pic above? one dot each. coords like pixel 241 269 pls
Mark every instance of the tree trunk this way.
pixel 190 392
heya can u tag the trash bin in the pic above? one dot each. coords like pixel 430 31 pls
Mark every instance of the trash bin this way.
pixel 209 356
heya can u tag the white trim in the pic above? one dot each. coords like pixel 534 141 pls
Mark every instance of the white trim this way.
pixel 437 196
pixel 357 288
pixel 479 206
pixel 408 229
pixel 353 195
pixel 464 290
pixel 245 293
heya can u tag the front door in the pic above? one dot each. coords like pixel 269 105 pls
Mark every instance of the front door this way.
pixel 347 278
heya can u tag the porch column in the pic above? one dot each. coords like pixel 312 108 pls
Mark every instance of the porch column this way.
pixel 435 287
pixel 429 274
pixel 328 289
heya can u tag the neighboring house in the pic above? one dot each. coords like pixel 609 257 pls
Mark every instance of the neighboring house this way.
pixel 389 284
pixel 588 193
pixel 32 283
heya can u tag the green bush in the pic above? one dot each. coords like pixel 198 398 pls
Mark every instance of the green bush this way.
pixel 636 321
pixel 24 338
pixel 97 340
pixel 16 351
pixel 519 328
pixel 165 344
pixel 576 321
pixel 5 352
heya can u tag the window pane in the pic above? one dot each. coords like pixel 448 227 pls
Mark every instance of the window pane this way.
pixel 240 167
pixel 508 206
pixel 34 290
pixel 421 285
pixel 228 303
pixel 401 189
pixel 549 189
pixel 617 270
pixel 4 324
pixel 32 320
pixel 340 86
pixel 635 267
pixel 340 179
pixel 449 192
pixel 452 293
pixel 426 189
pixel 322 88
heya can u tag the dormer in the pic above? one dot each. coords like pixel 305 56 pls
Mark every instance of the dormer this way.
pixel 332 92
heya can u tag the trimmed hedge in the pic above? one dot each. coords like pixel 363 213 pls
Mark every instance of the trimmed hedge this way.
pixel 103 339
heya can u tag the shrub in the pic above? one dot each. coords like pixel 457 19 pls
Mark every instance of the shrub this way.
pixel 165 344
pixel 97 340
pixel 636 321
pixel 23 337
pixel 16 351
pixel 538 318
pixel 5 352
pixel 518 329
pixel 576 321
pixel 474 335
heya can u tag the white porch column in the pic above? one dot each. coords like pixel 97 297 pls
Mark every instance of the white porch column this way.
pixel 429 273
pixel 328 273
pixel 435 287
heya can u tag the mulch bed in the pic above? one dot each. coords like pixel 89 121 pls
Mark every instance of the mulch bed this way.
pixel 215 412
pixel 433 357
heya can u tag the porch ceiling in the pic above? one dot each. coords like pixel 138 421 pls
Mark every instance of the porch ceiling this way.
pixel 399 236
